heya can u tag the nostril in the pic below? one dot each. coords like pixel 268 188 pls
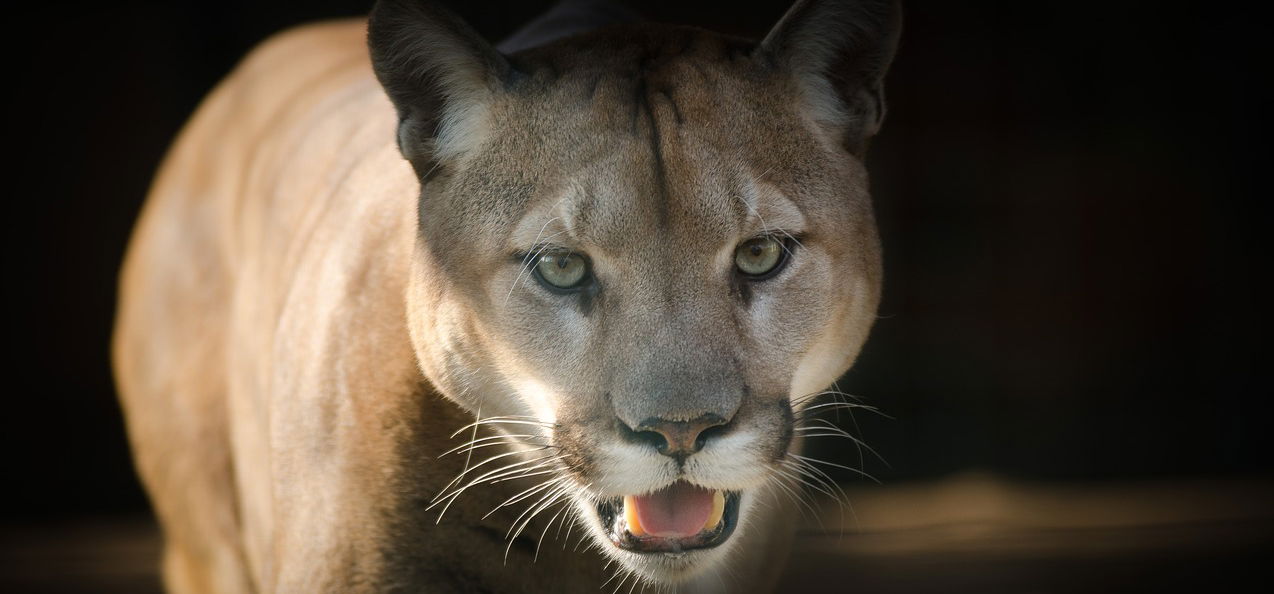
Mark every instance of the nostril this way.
pixel 651 438
pixel 676 438
pixel 709 433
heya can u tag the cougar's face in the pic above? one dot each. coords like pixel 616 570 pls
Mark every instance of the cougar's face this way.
pixel 644 270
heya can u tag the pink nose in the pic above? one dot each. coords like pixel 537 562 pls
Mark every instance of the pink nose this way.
pixel 679 439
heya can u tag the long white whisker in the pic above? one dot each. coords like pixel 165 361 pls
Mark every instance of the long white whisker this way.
pixel 802 505
pixel 797 476
pixel 522 268
pixel 812 470
pixel 530 512
pixel 528 474
pixel 530 492
pixel 613 575
pixel 834 431
pixel 518 468
pixel 838 405
pixel 824 462
pixel 498 473
pixel 548 500
pixel 544 535
pixel 498 421
pixel 509 439
pixel 490 460
pixel 567 538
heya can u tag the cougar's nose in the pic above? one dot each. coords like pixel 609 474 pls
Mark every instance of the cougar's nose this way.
pixel 678 439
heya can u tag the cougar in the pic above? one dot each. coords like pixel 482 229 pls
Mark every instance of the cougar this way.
pixel 405 311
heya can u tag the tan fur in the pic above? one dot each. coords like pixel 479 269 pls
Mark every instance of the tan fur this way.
pixel 296 343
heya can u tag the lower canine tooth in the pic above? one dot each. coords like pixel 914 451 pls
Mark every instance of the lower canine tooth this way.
pixel 718 509
pixel 630 516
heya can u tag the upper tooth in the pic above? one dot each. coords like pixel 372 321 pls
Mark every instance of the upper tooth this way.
pixel 630 516
pixel 718 509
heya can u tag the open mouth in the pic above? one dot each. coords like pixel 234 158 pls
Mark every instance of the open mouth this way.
pixel 680 517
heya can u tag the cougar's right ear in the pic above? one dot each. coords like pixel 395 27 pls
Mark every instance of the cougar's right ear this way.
pixel 439 73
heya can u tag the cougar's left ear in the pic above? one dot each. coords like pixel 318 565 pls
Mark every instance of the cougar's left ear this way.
pixel 838 52
pixel 439 73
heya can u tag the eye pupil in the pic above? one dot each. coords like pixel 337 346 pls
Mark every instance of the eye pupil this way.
pixel 759 256
pixel 562 271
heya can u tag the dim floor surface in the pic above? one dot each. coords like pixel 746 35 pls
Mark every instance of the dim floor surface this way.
pixel 971 533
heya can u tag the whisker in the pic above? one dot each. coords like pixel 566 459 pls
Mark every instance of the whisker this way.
pixel 529 258
pixel 797 476
pixel 530 492
pixel 835 393
pixel 549 499
pixel 498 473
pixel 824 462
pixel 582 538
pixel 488 461
pixel 802 505
pixel 834 431
pixel 839 405
pixel 627 574
pixel 613 574
pixel 816 474
pixel 501 421
pixel 544 535
pixel 527 475
pixel 507 440
pixel 827 479
pixel 469 455
pixel 569 526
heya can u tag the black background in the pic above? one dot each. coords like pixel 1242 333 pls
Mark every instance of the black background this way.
pixel 1068 195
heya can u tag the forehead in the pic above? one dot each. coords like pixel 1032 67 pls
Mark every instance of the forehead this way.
pixel 659 142
pixel 653 141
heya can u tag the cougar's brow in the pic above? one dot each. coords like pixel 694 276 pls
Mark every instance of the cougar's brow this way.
pixel 768 210
pixel 550 220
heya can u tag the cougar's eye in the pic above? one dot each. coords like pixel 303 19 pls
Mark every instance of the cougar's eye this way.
pixel 562 270
pixel 759 256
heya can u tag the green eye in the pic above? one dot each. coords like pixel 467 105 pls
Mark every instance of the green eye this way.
pixel 562 271
pixel 759 256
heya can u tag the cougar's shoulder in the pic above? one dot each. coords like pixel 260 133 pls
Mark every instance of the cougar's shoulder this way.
pixel 280 203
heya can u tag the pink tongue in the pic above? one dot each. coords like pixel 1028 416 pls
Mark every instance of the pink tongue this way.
pixel 678 511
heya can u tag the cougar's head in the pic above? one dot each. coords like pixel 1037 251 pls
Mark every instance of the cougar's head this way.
pixel 639 249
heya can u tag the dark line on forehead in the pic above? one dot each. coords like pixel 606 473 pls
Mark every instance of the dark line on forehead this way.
pixel 639 103
pixel 656 146
pixel 597 84
pixel 676 111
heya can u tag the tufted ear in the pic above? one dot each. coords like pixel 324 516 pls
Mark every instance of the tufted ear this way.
pixel 439 73
pixel 838 51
